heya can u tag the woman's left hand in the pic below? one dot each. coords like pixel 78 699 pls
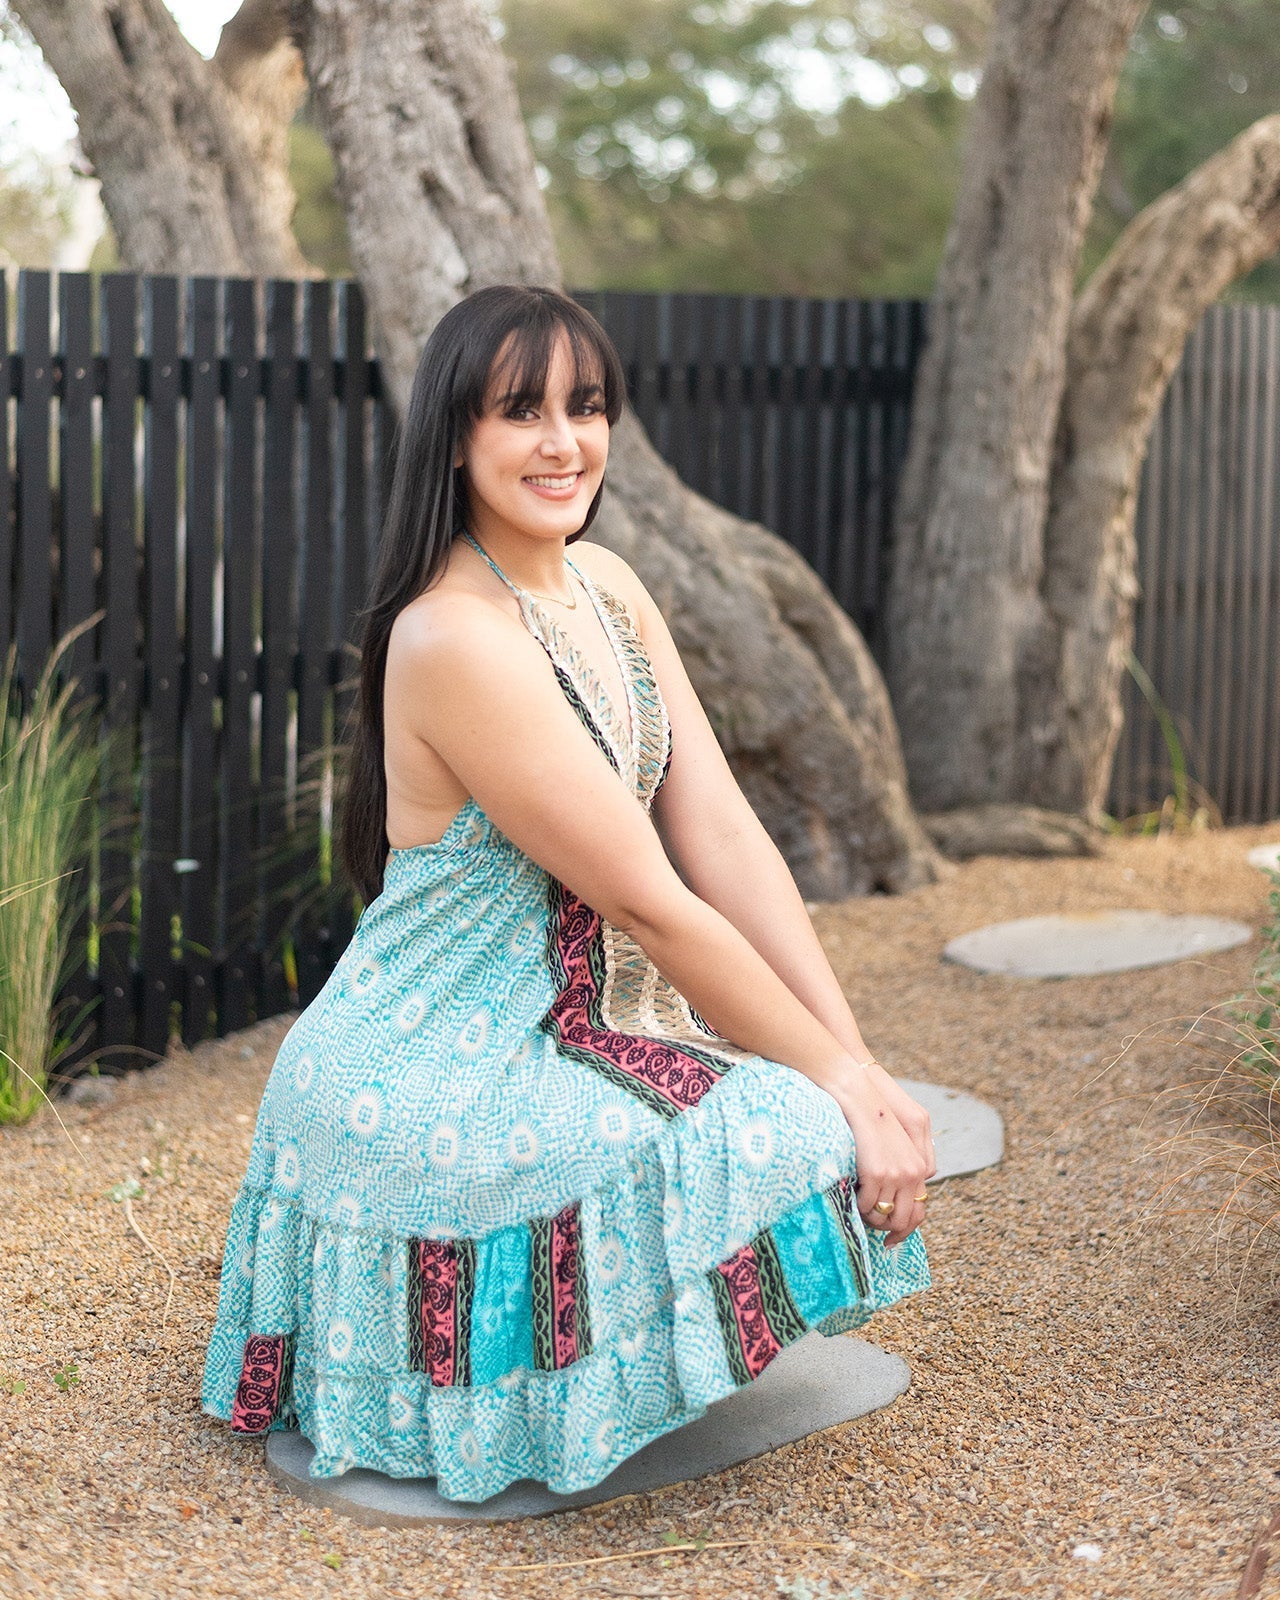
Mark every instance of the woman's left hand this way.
pixel 910 1113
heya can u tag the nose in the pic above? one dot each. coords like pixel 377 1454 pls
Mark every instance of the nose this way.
pixel 558 437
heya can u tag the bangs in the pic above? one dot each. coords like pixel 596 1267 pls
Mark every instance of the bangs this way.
pixel 523 360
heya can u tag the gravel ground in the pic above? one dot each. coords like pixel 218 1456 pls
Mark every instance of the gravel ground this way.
pixel 1081 1375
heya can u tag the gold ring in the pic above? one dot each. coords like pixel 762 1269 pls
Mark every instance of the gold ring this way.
pixel 884 1205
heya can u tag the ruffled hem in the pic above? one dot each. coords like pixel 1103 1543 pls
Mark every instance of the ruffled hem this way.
pixel 328 1311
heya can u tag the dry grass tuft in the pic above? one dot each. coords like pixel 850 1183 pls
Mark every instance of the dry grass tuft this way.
pixel 1222 1160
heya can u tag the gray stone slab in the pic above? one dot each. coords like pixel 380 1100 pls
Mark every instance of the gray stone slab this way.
pixel 968 1134
pixel 1076 944
pixel 1266 856
pixel 813 1384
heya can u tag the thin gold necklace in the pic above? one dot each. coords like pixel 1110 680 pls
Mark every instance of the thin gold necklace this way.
pixel 569 605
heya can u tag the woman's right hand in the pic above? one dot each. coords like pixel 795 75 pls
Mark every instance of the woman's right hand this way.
pixel 890 1166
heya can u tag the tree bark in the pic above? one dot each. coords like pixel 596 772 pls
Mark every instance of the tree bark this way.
pixel 441 195
pixel 192 163
pixel 1127 332
pixel 966 610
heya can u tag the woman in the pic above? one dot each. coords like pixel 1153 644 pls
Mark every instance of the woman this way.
pixel 564 1150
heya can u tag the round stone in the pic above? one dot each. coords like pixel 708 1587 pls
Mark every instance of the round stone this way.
pixel 1076 944
pixel 812 1384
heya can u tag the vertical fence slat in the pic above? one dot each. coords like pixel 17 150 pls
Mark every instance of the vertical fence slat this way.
pixel 279 635
pixel 8 540
pixel 77 581
pixel 1266 717
pixel 199 863
pixel 161 775
pixel 237 874
pixel 79 996
pixel 35 500
pixel 352 527
pixel 119 658
pixel 314 942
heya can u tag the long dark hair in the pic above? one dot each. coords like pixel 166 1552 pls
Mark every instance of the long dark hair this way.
pixel 427 505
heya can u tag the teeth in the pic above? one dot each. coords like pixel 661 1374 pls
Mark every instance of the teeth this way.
pixel 554 483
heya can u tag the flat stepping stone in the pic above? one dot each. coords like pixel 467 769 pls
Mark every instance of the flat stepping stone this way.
pixel 1076 944
pixel 814 1383
pixel 1266 856
pixel 968 1134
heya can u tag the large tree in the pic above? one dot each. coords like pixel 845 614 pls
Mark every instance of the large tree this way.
pixel 441 197
pixel 1014 572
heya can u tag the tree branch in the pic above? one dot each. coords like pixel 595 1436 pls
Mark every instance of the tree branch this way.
pixel 175 151
pixel 1127 332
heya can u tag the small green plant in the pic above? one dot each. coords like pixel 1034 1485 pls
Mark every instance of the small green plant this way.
pixel 333 1559
pixel 13 1386
pixel 1258 1013
pixel 67 1374
pixel 49 760
pixel 1188 807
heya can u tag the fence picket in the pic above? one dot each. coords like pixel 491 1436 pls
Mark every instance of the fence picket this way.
pixel 279 637
pixel 120 666
pixel 199 860
pixel 35 500
pixel 161 775
pixel 315 937
pixel 8 541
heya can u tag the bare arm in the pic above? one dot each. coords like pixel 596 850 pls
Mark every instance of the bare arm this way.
pixel 725 854
pixel 478 688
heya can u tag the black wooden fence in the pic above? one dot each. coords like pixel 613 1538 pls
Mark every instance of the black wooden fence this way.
pixel 204 461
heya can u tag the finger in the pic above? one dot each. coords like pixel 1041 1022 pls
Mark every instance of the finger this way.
pixel 908 1214
pixel 871 1210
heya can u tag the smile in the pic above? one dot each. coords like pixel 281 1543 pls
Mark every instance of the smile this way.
pixel 568 482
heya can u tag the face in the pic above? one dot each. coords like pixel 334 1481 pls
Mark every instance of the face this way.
pixel 534 469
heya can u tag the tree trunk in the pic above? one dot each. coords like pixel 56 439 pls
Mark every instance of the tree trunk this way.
pixel 441 195
pixel 191 178
pixel 1127 333
pixel 966 609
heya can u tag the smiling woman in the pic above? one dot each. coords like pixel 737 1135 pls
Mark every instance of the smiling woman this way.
pixel 581 1131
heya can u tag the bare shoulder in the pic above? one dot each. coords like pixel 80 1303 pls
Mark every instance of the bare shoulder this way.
pixel 451 624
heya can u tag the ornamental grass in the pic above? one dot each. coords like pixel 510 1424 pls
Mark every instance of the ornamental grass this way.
pixel 49 760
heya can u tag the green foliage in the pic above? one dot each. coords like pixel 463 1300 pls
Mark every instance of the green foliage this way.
pixel 1198 73
pixel 735 146
pixel 318 223
pixel 1258 1012
pixel 66 1375
pixel 1188 808
pixel 48 770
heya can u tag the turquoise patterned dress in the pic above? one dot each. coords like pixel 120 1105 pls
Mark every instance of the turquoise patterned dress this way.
pixel 513 1208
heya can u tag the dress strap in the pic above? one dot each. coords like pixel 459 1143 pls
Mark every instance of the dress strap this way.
pixel 475 545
